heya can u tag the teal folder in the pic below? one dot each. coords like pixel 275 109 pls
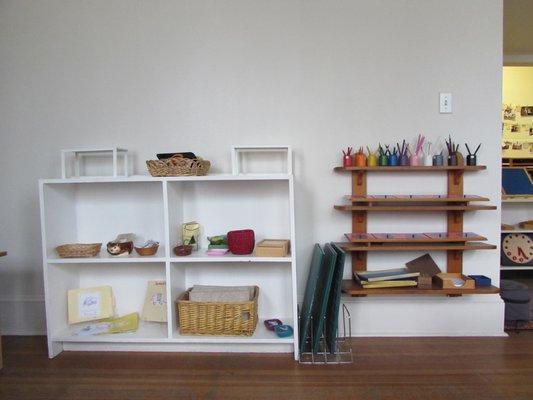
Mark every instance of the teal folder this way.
pixel 334 302
pixel 309 296
pixel 322 294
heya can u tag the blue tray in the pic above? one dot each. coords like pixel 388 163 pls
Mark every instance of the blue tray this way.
pixel 481 280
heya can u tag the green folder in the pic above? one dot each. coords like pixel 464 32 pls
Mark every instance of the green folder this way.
pixel 322 294
pixel 309 296
pixel 334 301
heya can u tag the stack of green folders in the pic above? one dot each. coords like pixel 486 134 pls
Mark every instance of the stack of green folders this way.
pixel 399 277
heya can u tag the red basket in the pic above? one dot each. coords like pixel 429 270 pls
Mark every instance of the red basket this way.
pixel 241 242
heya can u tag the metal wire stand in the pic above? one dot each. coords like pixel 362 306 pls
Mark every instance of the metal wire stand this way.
pixel 342 354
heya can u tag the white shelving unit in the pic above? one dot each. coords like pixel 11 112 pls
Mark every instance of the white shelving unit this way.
pixel 89 210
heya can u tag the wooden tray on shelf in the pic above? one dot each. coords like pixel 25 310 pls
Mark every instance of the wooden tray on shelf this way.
pixel 425 237
pixel 352 288
pixel 417 246
pixel 412 198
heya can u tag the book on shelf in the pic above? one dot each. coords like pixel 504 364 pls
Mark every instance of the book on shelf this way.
pixel 387 284
pixel 385 275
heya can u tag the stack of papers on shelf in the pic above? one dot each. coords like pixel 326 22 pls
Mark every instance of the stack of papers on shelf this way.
pixel 127 323
pixel 386 278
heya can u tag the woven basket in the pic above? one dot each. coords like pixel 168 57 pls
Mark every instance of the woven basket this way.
pixel 78 250
pixel 223 319
pixel 178 166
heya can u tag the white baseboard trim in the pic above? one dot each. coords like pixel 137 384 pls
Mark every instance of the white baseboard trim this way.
pixel 22 299
pixel 23 332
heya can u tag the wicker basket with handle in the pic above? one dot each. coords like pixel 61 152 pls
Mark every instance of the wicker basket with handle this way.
pixel 223 319
pixel 78 250
pixel 178 165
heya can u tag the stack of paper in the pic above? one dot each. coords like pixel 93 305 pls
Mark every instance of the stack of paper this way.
pixel 386 278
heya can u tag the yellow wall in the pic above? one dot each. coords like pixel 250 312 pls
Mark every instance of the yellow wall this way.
pixel 518 86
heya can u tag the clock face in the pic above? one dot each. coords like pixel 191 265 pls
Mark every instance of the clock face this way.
pixel 517 249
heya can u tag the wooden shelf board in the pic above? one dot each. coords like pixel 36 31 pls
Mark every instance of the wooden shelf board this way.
pixel 352 288
pixel 202 257
pixel 518 231
pixel 153 332
pixel 421 168
pixel 413 208
pixel 516 268
pixel 427 237
pixel 518 199
pixel 105 257
pixel 415 199
pixel 417 246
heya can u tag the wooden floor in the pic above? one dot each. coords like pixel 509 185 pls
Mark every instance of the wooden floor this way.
pixel 384 368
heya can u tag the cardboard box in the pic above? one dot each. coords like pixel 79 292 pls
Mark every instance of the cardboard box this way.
pixel 445 281
pixel 272 248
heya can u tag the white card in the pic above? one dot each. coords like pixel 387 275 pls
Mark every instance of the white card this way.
pixel 89 305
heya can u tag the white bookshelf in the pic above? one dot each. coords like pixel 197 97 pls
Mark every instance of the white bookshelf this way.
pixel 89 210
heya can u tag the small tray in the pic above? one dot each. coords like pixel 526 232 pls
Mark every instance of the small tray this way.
pixel 284 331
pixel 271 324
pixel 445 281
pixel 481 280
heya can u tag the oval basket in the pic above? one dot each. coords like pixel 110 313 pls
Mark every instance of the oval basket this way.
pixel 223 319
pixel 78 250
pixel 178 166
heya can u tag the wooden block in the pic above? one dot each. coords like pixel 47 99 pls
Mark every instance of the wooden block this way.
pixel 425 282
pixel 272 248
pixel 444 280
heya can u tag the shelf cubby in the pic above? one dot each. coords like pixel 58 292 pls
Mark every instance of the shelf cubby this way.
pixel 128 281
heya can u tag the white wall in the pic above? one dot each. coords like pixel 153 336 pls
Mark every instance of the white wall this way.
pixel 203 75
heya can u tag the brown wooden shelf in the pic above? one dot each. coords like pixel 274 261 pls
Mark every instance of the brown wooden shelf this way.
pixel 425 237
pixel 346 246
pixel 413 208
pixel 421 168
pixel 352 288
pixel 393 198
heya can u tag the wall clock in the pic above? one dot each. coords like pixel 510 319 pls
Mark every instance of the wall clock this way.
pixel 517 249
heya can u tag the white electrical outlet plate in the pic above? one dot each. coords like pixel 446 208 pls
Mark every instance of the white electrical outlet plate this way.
pixel 445 103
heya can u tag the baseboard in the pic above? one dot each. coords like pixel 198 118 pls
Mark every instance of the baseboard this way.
pixel 22 299
pixel 24 332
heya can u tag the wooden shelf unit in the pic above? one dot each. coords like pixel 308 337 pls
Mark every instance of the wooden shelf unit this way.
pixel 454 203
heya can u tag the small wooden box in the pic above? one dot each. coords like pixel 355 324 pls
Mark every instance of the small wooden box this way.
pixel 444 280
pixel 272 248
pixel 424 281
